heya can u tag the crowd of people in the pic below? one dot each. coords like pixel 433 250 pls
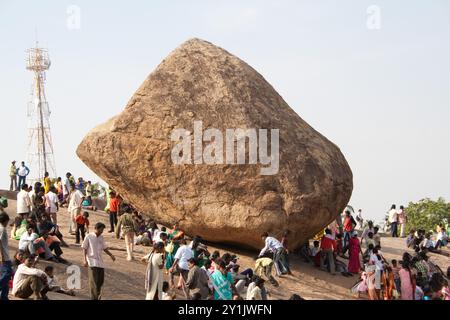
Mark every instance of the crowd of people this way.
pixel 348 246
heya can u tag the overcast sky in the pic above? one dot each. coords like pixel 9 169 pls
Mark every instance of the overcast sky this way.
pixel 378 88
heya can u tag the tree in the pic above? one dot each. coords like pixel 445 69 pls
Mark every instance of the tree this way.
pixel 426 214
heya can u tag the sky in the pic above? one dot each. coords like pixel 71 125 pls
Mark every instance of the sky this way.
pixel 372 76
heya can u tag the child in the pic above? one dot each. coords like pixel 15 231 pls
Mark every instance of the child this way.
pixel 395 271
pixel 339 248
pixel 82 222
pixel 53 284
pixel 165 293
pixel 315 253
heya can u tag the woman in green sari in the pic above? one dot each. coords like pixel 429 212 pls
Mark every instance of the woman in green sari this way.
pixel 223 283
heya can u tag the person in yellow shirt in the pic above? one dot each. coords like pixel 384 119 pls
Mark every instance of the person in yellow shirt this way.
pixel 47 183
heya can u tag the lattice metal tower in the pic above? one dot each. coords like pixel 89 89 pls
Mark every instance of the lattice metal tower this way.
pixel 40 146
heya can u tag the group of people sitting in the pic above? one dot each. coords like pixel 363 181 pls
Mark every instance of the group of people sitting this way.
pixel 421 241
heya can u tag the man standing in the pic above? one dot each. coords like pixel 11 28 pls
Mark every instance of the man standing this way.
pixel 360 219
pixel 279 253
pixel 23 202
pixel 327 246
pixel 47 182
pixel 181 266
pixel 6 267
pixel 23 172
pixel 75 201
pixel 401 215
pixel 66 187
pixel 93 247
pixel 13 176
pixel 393 220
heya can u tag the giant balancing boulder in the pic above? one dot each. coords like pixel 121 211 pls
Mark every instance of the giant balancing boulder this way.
pixel 207 142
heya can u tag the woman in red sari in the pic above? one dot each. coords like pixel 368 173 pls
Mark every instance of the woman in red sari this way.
pixel 354 265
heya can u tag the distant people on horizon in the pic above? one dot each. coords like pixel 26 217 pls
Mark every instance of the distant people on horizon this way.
pixel 360 219
pixel 22 172
pixel 13 176
pixel 402 220
pixel 393 220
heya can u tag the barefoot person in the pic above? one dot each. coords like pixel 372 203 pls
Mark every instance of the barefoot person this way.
pixel 93 247
pixel 154 274
pixel 75 201
pixel 127 225
pixel 13 176
pixel 279 253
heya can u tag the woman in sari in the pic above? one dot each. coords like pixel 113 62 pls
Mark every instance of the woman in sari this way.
pixel 354 265
pixel 223 283
pixel 154 276
pixel 176 233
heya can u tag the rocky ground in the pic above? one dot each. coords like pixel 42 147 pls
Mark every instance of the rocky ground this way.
pixel 125 280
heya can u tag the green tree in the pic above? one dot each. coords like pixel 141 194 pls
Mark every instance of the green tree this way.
pixel 426 214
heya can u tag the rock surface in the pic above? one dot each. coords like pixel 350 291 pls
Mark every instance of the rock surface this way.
pixel 222 202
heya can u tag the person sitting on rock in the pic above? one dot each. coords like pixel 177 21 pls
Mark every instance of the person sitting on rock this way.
pixel 52 282
pixel 29 281
pixel 87 204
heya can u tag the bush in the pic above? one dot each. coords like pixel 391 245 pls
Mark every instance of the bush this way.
pixel 426 214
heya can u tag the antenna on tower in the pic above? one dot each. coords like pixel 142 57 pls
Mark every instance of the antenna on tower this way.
pixel 40 146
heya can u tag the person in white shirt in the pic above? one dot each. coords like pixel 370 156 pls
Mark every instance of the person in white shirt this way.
pixel 401 220
pixel 393 220
pixel 360 219
pixel 377 260
pixel 75 202
pixel 180 265
pixel 51 204
pixel 254 291
pixel 93 247
pixel 279 253
pixel 23 201
pixel 366 231
pixel 22 172
pixel 29 280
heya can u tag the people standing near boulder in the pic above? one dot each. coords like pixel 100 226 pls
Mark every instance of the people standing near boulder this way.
pixel 180 265
pixel 393 220
pixel 327 248
pixel 6 267
pixel 154 274
pixel 367 229
pixel 197 280
pixel 402 219
pixel 279 253
pixel 349 226
pixel 93 247
pixel 284 242
pixel 114 205
pixel 128 226
pixel 354 264
pixel 75 201
pixel 22 172
pixel 89 189
pixel 13 176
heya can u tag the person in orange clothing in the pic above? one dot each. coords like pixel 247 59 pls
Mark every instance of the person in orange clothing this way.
pixel 327 248
pixel 349 226
pixel 82 221
pixel 114 204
